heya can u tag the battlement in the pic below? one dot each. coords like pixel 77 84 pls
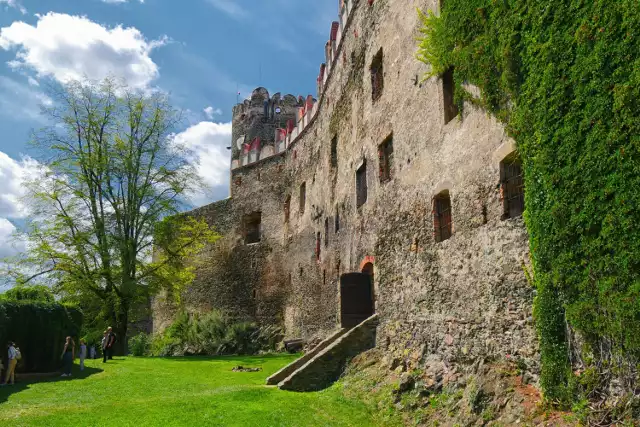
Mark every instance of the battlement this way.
pixel 292 115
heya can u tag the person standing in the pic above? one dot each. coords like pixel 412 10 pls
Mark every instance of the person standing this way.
pixel 104 347
pixel 92 352
pixel 68 354
pixel 83 354
pixel 108 346
pixel 12 361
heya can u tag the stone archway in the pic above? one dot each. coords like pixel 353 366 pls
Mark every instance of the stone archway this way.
pixel 357 301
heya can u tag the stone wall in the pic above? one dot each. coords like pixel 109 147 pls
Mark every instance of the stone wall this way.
pixel 459 299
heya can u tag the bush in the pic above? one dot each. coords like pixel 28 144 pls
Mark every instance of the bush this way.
pixel 39 330
pixel 140 345
pixel 210 334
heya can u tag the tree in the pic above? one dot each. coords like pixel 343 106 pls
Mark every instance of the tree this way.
pixel 114 182
pixel 28 293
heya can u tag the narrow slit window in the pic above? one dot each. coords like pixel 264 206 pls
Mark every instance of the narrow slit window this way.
pixel 303 196
pixel 318 240
pixel 442 220
pixel 337 220
pixel 253 228
pixel 287 209
pixel 361 185
pixel 334 152
pixel 448 94
pixel 512 183
pixel 385 157
pixel 326 232
pixel 377 76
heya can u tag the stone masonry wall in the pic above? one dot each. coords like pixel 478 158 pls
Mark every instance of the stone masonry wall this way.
pixel 458 300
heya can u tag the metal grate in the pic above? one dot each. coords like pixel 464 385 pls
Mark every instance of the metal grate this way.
pixel 442 217
pixel 513 188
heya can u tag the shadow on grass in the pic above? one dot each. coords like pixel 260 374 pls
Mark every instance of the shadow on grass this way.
pixel 23 381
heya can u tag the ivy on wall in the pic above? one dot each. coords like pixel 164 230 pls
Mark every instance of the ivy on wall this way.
pixel 564 77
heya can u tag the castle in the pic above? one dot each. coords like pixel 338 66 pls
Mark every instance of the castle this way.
pixel 376 196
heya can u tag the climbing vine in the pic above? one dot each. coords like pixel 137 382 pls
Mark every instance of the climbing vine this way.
pixel 564 77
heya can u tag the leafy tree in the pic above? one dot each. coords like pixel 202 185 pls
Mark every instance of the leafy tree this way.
pixel 38 293
pixel 111 190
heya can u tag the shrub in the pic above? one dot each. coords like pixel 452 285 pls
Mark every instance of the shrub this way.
pixel 210 334
pixel 241 339
pixel 140 345
pixel 39 330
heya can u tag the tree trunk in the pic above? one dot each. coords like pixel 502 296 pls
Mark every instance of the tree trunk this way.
pixel 120 347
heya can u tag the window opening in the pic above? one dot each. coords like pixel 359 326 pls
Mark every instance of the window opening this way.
pixel 252 227
pixel 326 232
pixel 287 209
pixel 361 185
pixel 303 196
pixel 334 152
pixel 337 220
pixel 512 186
pixel 318 240
pixel 442 221
pixel 448 94
pixel 377 77
pixel 385 156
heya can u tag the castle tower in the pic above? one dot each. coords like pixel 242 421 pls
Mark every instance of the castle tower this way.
pixel 258 124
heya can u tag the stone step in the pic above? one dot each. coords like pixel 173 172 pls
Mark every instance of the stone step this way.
pixel 327 365
pixel 293 366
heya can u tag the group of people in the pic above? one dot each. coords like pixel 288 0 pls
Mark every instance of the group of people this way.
pixel 68 355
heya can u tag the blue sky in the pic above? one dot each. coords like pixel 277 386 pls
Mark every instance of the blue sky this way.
pixel 198 51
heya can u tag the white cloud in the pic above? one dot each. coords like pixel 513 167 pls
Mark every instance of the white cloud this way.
pixel 230 7
pixel 208 141
pixel 13 176
pixel 210 112
pixel 69 47
pixel 10 245
pixel 15 4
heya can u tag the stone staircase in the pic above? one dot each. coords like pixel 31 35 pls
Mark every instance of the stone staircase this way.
pixel 324 364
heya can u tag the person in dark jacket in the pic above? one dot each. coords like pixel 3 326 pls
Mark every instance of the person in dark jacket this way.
pixel 68 355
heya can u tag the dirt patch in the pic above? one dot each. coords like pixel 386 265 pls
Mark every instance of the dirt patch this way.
pixel 243 369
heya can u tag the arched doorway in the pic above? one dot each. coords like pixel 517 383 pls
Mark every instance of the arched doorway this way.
pixel 356 297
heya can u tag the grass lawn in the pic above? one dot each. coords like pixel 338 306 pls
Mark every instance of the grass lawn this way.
pixel 175 392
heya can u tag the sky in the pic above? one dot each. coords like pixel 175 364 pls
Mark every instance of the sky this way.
pixel 200 52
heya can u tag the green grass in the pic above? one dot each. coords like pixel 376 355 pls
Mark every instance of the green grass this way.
pixel 176 392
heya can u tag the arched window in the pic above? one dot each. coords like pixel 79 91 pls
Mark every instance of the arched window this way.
pixel 442 220
pixel 512 184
